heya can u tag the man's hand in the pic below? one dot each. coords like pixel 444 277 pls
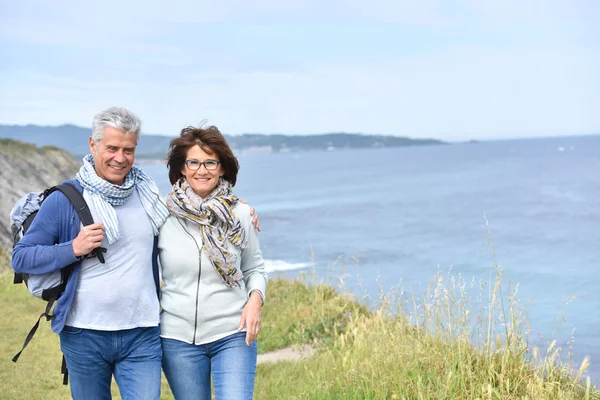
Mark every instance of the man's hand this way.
pixel 89 238
pixel 253 213
pixel 251 318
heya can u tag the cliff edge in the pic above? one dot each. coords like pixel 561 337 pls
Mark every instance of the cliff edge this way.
pixel 26 168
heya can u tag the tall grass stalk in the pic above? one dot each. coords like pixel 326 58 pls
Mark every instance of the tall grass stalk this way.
pixel 438 346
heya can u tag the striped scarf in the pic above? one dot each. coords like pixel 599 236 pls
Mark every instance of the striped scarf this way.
pixel 106 195
pixel 217 223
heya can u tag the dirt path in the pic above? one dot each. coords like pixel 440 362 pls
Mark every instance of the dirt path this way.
pixel 287 354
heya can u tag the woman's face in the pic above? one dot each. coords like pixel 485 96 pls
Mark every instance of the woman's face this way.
pixel 203 180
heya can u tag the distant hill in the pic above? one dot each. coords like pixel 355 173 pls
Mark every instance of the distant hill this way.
pixel 74 139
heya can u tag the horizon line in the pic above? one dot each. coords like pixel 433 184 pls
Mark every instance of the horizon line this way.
pixel 472 139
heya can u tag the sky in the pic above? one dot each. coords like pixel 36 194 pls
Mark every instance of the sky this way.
pixel 453 70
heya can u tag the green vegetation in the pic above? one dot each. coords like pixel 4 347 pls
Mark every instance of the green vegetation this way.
pixel 296 313
pixel 14 148
pixel 409 348
pixel 383 355
pixel 50 148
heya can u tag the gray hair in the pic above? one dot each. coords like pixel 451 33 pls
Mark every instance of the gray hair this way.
pixel 118 118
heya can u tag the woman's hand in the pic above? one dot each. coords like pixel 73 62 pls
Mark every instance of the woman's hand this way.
pixel 251 317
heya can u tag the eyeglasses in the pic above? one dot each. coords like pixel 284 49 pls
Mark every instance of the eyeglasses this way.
pixel 210 165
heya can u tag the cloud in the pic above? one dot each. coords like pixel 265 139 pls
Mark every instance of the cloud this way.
pixel 431 68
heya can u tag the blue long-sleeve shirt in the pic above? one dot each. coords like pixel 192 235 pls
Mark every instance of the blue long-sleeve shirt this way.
pixel 48 247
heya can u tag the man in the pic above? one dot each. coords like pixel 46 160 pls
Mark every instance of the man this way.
pixel 107 318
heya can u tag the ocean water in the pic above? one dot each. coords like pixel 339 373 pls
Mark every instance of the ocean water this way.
pixel 380 218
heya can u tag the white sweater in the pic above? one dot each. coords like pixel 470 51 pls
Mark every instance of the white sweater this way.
pixel 197 305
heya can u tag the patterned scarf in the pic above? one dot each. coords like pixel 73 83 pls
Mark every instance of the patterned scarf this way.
pixel 105 195
pixel 217 223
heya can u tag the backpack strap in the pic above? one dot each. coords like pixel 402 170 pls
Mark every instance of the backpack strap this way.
pixel 33 330
pixel 63 368
pixel 65 371
pixel 18 278
pixel 81 207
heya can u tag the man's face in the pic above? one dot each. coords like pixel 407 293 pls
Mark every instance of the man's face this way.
pixel 114 155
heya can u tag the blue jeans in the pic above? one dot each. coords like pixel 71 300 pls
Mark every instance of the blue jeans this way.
pixel 132 355
pixel 188 368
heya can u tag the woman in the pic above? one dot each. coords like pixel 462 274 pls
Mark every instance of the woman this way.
pixel 213 273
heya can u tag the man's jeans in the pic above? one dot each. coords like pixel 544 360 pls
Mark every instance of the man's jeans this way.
pixel 188 368
pixel 132 355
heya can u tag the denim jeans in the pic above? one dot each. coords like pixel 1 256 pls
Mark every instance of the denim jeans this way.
pixel 188 368
pixel 132 355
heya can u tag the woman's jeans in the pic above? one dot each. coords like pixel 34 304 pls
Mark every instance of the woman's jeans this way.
pixel 132 355
pixel 188 368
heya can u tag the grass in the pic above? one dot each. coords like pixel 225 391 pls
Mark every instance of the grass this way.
pixel 384 356
pixel 37 373
pixel 16 149
pixel 433 347
pixel 448 344
pixel 294 314
pixel 297 313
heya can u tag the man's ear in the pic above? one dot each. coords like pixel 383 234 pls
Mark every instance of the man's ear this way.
pixel 93 148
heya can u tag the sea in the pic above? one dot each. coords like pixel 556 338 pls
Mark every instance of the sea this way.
pixel 370 221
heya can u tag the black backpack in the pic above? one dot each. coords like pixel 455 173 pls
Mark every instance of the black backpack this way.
pixel 20 226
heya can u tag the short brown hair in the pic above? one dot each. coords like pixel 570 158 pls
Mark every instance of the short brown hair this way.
pixel 211 141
